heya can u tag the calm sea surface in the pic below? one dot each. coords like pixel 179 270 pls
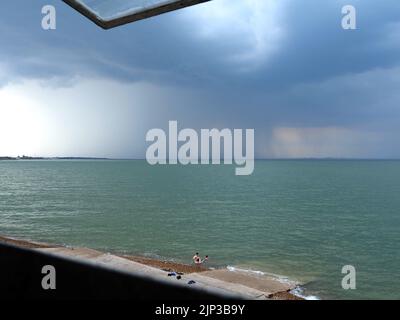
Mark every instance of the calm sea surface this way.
pixel 301 219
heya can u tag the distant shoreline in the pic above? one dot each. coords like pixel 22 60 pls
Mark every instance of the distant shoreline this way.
pixel 51 158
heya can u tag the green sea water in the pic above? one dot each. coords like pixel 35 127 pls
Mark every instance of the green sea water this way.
pixel 303 220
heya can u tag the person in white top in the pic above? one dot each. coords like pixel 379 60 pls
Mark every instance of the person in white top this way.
pixel 197 259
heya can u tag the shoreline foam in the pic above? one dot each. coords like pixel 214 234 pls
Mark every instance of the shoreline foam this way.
pixel 298 291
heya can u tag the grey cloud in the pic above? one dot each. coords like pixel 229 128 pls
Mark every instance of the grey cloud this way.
pixel 318 76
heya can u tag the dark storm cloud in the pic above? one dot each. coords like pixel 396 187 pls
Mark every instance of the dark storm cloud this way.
pixel 165 48
pixel 315 47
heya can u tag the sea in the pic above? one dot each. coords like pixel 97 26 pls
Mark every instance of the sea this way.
pixel 297 220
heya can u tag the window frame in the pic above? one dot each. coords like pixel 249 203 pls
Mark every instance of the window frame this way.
pixel 146 13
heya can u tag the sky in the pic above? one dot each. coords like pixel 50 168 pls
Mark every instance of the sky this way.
pixel 285 68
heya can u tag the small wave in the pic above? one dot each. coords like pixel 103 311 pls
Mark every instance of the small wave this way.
pixel 230 268
pixel 281 279
pixel 299 292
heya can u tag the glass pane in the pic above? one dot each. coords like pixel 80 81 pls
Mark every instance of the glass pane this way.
pixel 114 9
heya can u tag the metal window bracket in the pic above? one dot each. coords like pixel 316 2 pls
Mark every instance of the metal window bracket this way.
pixel 131 17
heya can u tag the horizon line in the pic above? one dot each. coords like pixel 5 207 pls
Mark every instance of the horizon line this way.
pixel 116 158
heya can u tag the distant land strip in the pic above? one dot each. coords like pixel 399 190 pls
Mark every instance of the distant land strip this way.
pixel 51 158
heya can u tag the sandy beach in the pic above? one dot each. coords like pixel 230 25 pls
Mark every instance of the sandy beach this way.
pixel 260 287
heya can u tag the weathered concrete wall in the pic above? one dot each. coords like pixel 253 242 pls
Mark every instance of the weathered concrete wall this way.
pixel 21 278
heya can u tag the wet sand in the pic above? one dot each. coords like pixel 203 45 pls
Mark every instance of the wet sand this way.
pixel 168 266
pixel 24 243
